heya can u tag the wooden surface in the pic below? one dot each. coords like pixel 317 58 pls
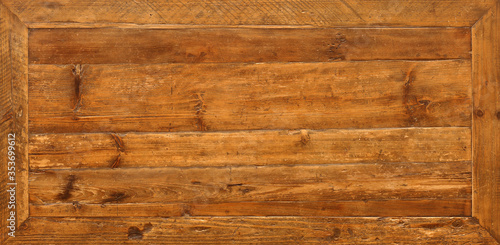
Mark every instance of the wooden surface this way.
pixel 214 97
pixel 59 151
pixel 13 112
pixel 288 122
pixel 433 189
pixel 222 45
pixel 486 66
pixel 41 13
pixel 258 230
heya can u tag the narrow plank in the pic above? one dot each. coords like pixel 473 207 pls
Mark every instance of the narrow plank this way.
pixel 486 125
pixel 253 184
pixel 254 12
pixel 212 97
pixel 14 119
pixel 261 230
pixel 249 148
pixel 371 208
pixel 220 45
pixel 6 121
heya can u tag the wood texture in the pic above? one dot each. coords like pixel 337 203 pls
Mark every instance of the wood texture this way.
pixel 443 207
pixel 213 97
pixel 13 112
pixel 147 46
pixel 261 230
pixel 253 12
pixel 249 148
pixel 304 186
pixel 486 66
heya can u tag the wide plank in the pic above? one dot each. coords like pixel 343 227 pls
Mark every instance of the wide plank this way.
pixel 41 13
pixel 245 230
pixel 213 97
pixel 222 45
pixel 486 124
pixel 274 147
pixel 253 184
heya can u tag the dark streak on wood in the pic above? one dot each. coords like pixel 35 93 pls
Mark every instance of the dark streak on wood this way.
pixel 78 74
pixel 115 197
pixel 119 142
pixel 116 163
pixel 66 193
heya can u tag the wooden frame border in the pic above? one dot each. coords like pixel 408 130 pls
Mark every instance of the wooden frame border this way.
pixel 483 16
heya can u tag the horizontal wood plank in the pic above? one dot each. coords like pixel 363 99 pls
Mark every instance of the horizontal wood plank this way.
pixel 215 45
pixel 253 12
pixel 253 184
pixel 212 97
pixel 262 230
pixel 249 148
pixel 375 208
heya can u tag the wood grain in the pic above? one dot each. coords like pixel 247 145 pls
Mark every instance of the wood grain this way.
pixel 249 148
pixel 443 207
pixel 253 184
pixel 253 12
pixel 220 45
pixel 486 126
pixel 213 97
pixel 262 230
pixel 13 113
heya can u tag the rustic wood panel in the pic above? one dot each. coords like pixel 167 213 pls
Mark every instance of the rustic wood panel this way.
pixel 13 112
pixel 211 97
pixel 253 184
pixel 250 148
pixel 486 128
pixel 359 208
pixel 146 46
pixel 262 230
pixel 253 12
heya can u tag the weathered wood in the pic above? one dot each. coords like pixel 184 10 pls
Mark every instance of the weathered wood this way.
pixel 442 207
pixel 486 125
pixel 250 148
pixel 253 184
pixel 253 12
pixel 147 46
pixel 13 112
pixel 211 97
pixel 261 230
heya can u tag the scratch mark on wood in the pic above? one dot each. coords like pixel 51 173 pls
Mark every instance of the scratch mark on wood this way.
pixel 119 142
pixel 116 163
pixel 200 108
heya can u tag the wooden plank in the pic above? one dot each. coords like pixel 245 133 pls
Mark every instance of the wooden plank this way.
pixel 486 125
pixel 374 208
pixel 220 45
pixel 261 230
pixel 253 12
pixel 253 184
pixel 212 97
pixel 14 119
pixel 249 148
